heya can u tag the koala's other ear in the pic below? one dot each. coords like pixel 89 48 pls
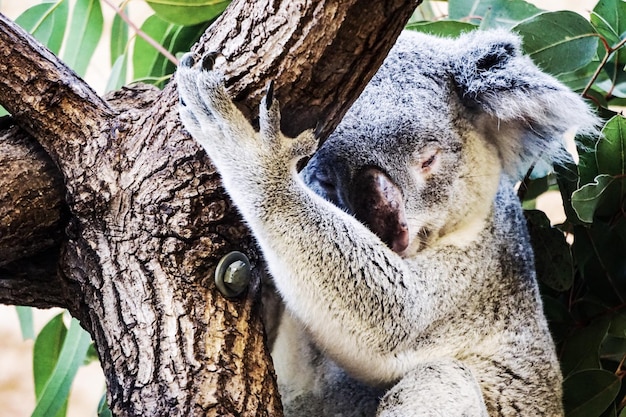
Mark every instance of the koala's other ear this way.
pixel 523 110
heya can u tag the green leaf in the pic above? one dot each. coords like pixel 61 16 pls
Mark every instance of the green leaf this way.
pixel 553 259
pixel 188 12
pixel 56 391
pixel 119 38
pixel 586 199
pixel 446 28
pixel 117 78
pixel 103 407
pixel 46 351
pixel 46 22
pixel 495 13
pixel 589 393
pixel 580 350
pixel 559 42
pixel 609 19
pixel 147 61
pixel 84 34
pixel 25 315
pixel 611 148
pixel 578 79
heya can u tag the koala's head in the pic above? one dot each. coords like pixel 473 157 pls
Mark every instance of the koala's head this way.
pixel 421 152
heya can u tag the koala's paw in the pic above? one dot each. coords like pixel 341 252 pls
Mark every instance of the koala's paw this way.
pixel 209 114
pixel 206 109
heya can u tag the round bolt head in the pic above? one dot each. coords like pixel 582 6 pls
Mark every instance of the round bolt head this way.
pixel 232 274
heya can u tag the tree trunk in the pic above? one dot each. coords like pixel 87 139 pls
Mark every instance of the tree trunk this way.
pixel 130 239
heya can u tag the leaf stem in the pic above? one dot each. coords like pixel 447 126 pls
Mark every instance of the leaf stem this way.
pixel 142 34
pixel 609 51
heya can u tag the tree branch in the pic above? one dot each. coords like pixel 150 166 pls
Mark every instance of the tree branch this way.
pixel 31 204
pixel 39 91
pixel 321 72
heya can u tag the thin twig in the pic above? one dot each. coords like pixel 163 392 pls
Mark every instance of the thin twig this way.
pixel 142 34
pixel 609 51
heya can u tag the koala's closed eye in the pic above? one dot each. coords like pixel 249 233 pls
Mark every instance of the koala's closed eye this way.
pixel 428 159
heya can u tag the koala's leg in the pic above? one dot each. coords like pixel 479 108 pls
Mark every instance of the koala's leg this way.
pixel 435 389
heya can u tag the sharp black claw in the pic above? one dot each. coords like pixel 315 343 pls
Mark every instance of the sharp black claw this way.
pixel 181 101
pixel 187 60
pixel 269 94
pixel 209 60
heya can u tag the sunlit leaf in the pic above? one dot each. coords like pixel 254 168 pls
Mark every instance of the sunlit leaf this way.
pixel 559 42
pixel 46 352
pixel 55 393
pixel 117 78
pixel 119 38
pixel 85 31
pixel 147 61
pixel 46 22
pixel 446 28
pixel 103 407
pixel 492 13
pixel 188 12
pixel 25 315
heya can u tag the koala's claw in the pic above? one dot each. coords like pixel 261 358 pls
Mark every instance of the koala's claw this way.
pixel 269 94
pixel 188 60
pixel 208 60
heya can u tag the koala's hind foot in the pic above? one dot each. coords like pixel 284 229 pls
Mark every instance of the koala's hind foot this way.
pixel 434 384
pixel 209 114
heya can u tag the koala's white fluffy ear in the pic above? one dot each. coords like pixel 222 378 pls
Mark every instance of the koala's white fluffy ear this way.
pixel 522 109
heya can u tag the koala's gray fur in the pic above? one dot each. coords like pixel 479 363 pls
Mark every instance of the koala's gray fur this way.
pixel 437 313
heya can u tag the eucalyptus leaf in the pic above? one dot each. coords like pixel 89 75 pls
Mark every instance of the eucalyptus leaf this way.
pixel 609 19
pixel 578 79
pixel 147 61
pixel 553 259
pixel 611 148
pixel 46 352
pixel 559 42
pixel 445 28
pixel 119 38
pixel 46 22
pixel 25 315
pixel 84 35
pixel 117 78
pixel 589 393
pixel 103 407
pixel 492 13
pixel 188 12
pixel 581 350
pixel 586 199
pixel 56 391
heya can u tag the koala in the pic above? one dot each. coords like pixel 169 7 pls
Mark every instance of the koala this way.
pixel 400 250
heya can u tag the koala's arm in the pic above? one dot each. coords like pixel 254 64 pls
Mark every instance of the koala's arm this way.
pixel 333 273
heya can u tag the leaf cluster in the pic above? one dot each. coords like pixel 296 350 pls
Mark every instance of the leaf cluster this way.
pixel 581 263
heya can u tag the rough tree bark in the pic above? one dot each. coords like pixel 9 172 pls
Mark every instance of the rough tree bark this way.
pixel 122 219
